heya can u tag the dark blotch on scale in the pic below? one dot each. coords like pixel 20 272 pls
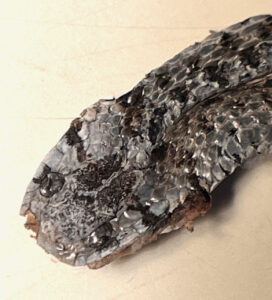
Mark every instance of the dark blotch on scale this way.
pixel 268 84
pixel 227 40
pixel 159 153
pixel 133 102
pixel 250 56
pixel 265 31
pixel 163 80
pixel 132 98
pixel 180 93
pixel 214 73
pixel 71 135
pixel 192 63
pixel 160 111
pixel 87 201
pixel 46 170
pixel 92 176
pixel 153 130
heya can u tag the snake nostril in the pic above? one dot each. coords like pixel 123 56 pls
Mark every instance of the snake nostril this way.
pixel 51 184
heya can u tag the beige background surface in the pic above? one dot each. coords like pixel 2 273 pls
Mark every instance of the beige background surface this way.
pixel 56 58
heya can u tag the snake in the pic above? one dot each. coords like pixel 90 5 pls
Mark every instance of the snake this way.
pixel 132 168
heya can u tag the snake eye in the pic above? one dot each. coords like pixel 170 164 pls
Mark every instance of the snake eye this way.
pixel 51 184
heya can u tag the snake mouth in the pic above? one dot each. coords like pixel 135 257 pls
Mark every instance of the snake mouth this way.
pixel 199 206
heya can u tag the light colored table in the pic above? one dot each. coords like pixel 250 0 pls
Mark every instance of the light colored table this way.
pixel 56 58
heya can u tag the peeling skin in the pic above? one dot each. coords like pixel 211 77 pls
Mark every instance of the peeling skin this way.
pixel 32 223
pixel 132 168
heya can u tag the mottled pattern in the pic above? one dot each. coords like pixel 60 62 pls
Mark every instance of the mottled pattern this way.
pixel 145 163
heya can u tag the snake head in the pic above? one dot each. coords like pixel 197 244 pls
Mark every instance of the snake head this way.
pixel 132 168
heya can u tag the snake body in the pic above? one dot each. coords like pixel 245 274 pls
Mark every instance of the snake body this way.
pixel 132 168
